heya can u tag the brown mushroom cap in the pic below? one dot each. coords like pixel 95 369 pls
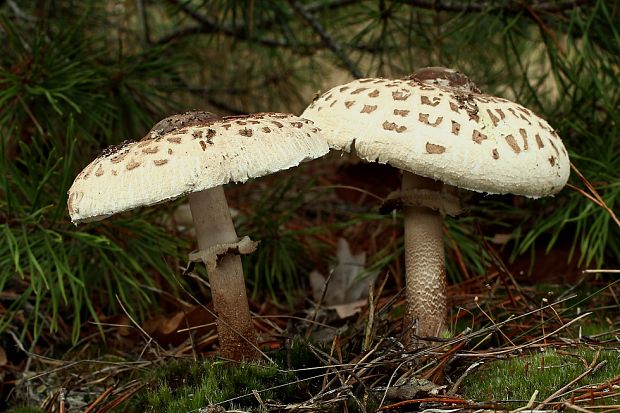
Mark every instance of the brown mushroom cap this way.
pixel 191 157
pixel 437 125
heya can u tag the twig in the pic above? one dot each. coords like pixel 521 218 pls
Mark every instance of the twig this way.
pixel 456 385
pixel 529 404
pixel 577 408
pixel 326 37
pixel 219 320
pixel 601 271
pixel 371 318
pixel 594 192
pixel 318 304
pixel 99 399
pixel 150 339
pixel 511 8
pixel 141 10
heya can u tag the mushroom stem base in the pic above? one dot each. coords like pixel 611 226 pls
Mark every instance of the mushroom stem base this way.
pixel 425 266
pixel 214 225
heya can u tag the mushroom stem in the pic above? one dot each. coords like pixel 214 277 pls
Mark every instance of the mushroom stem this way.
pixel 214 225
pixel 424 265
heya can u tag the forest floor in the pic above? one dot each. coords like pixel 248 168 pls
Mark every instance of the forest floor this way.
pixel 528 334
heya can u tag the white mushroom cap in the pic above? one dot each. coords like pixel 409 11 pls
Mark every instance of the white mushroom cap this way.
pixel 214 152
pixel 443 131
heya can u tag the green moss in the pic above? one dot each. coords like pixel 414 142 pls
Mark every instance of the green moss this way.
pixel 519 377
pixel 188 386
pixel 25 409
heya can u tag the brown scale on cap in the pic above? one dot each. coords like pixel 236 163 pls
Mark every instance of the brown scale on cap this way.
pixel 115 149
pixel 368 108
pixel 456 127
pixel 434 149
pixel 510 140
pixel 442 76
pixel 523 133
pixel 423 117
pixel 180 121
pixel 393 127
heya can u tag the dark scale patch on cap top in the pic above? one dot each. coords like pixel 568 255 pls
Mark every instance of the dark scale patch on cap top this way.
pixel 342 89
pixel 554 147
pixel 454 107
pixel 174 139
pixel 118 158
pixel 150 150
pixel 456 127
pixel 203 145
pixel 552 160
pixel 510 140
pixel 359 90
pixel 349 103
pixel 513 112
pixel 368 108
pixel 539 141
pixel 374 93
pixel 297 124
pixel 245 132
pixel 423 117
pixel 197 134
pixel 99 171
pixel 425 87
pixel 331 105
pixel 525 119
pixel 366 80
pixel 400 95
pixel 500 113
pixel 494 118
pixel 266 129
pixel 524 137
pixel 393 127
pixel 401 112
pixel 467 102
pixel 160 162
pixel 426 101
pixel 278 124
pixel 170 152
pixel 524 110
pixel 115 149
pixel 184 120
pixel 478 136
pixel 495 154
pixel 241 122
pixel 132 165
pixel 444 77
pixel 434 149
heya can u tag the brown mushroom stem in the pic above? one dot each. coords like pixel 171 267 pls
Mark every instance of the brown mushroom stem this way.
pixel 214 225
pixel 424 264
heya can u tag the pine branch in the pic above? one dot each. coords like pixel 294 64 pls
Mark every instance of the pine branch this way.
pixel 511 7
pixel 329 41
pixel 207 25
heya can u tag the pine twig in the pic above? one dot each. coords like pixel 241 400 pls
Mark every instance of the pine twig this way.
pixel 329 41
pixel 511 8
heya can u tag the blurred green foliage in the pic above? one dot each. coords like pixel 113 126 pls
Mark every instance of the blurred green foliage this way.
pixel 76 76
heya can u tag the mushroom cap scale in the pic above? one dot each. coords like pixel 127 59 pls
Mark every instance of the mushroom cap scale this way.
pixel 159 168
pixel 463 138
